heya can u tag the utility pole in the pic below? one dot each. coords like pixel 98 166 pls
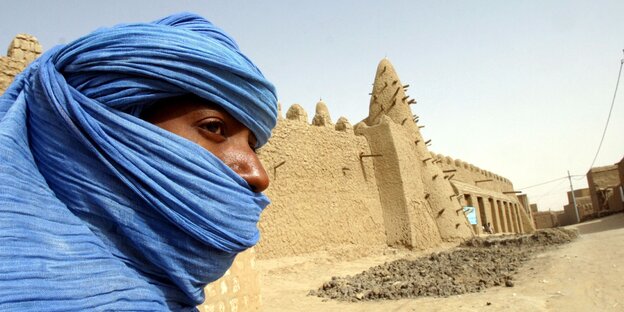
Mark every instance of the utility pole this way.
pixel 578 220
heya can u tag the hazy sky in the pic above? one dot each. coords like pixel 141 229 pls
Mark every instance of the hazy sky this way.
pixel 519 88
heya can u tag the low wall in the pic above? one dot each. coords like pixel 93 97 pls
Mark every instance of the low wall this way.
pixel 238 289
pixel 323 195
pixel 472 174
pixel 546 219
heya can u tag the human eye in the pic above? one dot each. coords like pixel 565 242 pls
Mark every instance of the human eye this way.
pixel 213 125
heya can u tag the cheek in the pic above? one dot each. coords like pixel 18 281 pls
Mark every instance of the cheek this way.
pixel 215 148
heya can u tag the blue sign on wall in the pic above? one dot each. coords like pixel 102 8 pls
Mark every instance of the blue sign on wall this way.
pixel 471 214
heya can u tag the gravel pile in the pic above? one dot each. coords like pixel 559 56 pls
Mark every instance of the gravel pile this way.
pixel 477 264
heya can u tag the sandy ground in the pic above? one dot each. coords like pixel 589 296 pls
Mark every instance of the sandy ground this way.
pixel 585 275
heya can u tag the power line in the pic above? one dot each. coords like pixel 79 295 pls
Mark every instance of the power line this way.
pixel 539 184
pixel 609 117
pixel 550 181
pixel 578 177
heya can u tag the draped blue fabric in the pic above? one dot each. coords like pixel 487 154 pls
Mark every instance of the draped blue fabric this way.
pixel 100 210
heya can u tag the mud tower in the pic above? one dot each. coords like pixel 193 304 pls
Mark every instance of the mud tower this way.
pixel 420 208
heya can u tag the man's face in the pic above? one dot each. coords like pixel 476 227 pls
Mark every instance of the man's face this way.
pixel 215 130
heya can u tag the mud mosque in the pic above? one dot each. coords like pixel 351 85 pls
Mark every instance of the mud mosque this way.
pixel 338 187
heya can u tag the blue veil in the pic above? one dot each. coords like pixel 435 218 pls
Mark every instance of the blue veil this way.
pixel 100 210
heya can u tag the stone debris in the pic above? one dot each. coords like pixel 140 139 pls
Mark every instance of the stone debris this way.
pixel 477 264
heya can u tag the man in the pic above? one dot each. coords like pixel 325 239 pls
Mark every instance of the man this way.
pixel 128 177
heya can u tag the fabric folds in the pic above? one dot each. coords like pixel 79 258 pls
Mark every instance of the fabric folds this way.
pixel 100 210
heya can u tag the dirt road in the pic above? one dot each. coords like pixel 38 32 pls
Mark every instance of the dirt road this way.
pixel 585 275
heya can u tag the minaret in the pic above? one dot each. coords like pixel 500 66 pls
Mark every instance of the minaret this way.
pixel 392 130
pixel 389 97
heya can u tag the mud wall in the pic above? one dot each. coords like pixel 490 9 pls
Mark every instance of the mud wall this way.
pixel 408 218
pixel 469 173
pixel 524 202
pixel 504 212
pixel 391 104
pixel 334 186
pixel 584 207
pixel 546 219
pixel 525 220
pixel 238 289
pixel 324 196
pixel 491 194
pixel 22 50
pixel 603 183
pixel 583 204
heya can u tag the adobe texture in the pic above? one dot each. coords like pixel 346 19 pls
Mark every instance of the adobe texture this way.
pixel 22 50
pixel 407 215
pixel 492 195
pixel 323 195
pixel 583 204
pixel 337 187
pixel 603 183
pixel 238 289
pixel 432 197
pixel 547 219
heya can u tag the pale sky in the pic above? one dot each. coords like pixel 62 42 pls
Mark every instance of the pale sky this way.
pixel 519 88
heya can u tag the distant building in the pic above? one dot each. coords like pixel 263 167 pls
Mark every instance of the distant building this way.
pixel 547 219
pixel 605 190
pixel 533 208
pixel 583 204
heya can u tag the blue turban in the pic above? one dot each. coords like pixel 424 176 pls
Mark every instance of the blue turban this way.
pixel 100 210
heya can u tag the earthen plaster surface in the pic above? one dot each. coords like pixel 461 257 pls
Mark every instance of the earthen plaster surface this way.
pixel 407 215
pixel 22 50
pixel 238 289
pixel 469 173
pixel 323 196
pixel 583 204
pixel 603 183
pixel 389 98
pixel 546 219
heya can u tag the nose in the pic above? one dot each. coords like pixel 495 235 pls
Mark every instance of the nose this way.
pixel 256 176
pixel 246 164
